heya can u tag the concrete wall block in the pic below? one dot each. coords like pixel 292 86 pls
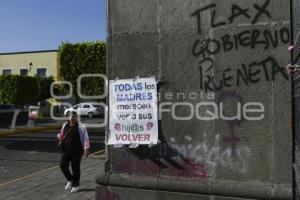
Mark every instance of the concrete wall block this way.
pixel 132 16
pixel 134 55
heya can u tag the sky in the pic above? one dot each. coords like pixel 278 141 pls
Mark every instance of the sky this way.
pixel 34 25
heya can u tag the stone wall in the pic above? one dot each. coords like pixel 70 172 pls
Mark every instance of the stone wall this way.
pixel 221 70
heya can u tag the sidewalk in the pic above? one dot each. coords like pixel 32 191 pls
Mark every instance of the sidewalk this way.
pixel 50 183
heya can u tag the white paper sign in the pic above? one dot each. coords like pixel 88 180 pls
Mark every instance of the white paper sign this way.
pixel 133 111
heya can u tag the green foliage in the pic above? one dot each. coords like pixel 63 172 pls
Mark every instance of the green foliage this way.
pixel 83 58
pixel 44 84
pixel 21 90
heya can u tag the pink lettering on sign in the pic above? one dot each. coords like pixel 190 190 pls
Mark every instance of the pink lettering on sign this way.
pixel 133 137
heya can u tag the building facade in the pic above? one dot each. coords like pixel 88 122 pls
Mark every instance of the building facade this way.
pixel 31 63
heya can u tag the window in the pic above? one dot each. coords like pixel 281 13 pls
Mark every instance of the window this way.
pixel 86 106
pixel 6 71
pixel 77 106
pixel 23 72
pixel 41 71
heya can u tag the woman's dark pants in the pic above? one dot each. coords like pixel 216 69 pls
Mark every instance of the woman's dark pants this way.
pixel 75 160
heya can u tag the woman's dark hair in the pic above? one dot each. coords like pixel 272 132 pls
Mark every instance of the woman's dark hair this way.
pixel 73 113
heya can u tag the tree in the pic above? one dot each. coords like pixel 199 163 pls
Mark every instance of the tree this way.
pixel 19 90
pixel 44 84
pixel 83 58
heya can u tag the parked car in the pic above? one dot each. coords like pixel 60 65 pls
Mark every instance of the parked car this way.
pixel 90 109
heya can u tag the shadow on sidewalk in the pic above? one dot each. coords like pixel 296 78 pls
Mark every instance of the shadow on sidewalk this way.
pixel 86 190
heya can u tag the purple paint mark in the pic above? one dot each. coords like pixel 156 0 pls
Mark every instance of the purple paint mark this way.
pixel 190 169
pixel 112 196
pixel 232 139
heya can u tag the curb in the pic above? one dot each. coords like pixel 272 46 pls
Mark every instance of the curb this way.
pixel 28 130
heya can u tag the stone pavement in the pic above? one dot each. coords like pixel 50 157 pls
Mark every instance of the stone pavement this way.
pixel 49 183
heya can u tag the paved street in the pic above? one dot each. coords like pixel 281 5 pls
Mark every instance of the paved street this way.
pixel 24 154
pixel 49 184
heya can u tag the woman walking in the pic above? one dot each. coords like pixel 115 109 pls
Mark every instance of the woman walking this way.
pixel 75 143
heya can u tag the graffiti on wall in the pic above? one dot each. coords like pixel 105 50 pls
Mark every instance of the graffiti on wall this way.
pixel 162 159
pixel 246 73
pixel 200 157
pixel 212 155
pixel 186 159
pixel 237 11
